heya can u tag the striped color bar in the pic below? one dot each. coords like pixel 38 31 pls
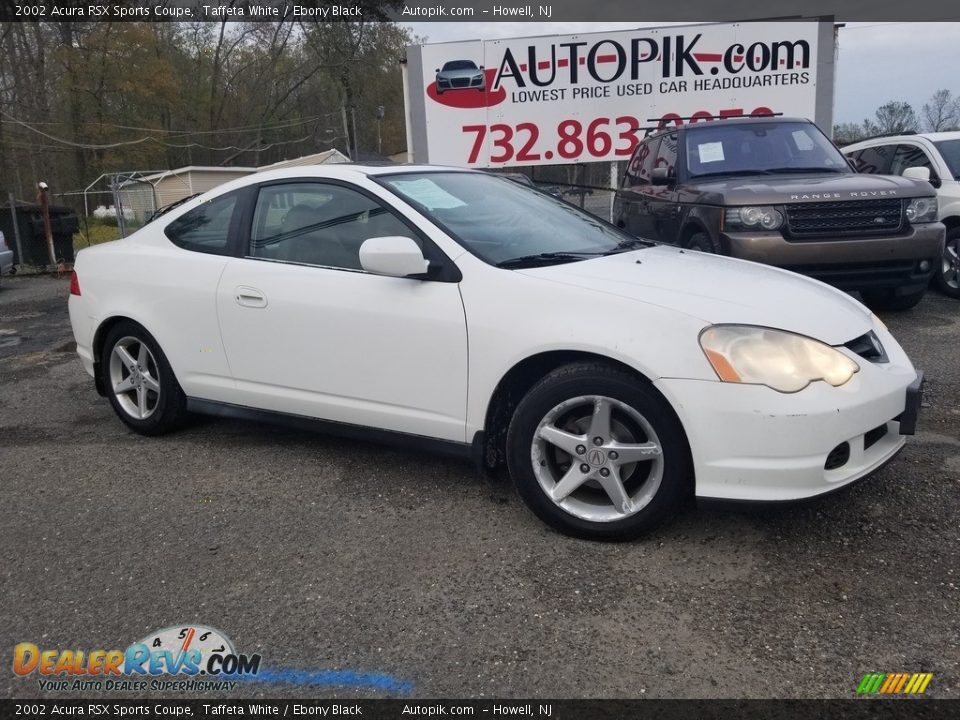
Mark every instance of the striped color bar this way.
pixel 894 683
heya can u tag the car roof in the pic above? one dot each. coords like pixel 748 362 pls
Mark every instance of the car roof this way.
pixel 721 122
pixel 905 137
pixel 344 171
pixel 745 121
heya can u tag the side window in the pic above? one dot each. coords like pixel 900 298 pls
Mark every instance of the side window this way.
pixel 908 156
pixel 667 154
pixel 641 164
pixel 875 159
pixel 206 228
pixel 318 223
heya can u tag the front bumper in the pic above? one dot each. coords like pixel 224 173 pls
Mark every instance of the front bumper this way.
pixel 752 443
pixel 851 263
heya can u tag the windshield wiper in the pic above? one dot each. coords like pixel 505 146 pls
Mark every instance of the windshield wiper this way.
pixel 732 172
pixel 631 244
pixel 544 258
pixel 806 170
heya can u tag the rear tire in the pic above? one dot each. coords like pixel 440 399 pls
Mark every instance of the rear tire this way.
pixel 948 277
pixel 139 381
pixel 704 243
pixel 626 464
pixel 887 299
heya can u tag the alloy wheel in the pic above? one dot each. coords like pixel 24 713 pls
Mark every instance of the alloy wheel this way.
pixel 134 377
pixel 597 458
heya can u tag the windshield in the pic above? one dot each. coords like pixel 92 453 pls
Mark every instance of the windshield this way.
pixel 501 221
pixel 460 65
pixel 950 149
pixel 715 148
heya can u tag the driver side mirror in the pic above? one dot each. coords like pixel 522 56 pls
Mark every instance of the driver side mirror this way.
pixel 663 176
pixel 393 255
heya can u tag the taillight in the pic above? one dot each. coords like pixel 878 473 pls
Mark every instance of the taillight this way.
pixel 74 283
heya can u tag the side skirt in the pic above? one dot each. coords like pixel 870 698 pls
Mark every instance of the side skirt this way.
pixel 448 448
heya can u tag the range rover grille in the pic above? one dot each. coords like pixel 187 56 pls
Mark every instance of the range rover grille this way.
pixel 843 219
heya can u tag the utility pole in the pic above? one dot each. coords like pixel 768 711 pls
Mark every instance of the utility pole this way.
pixel 44 202
pixel 356 149
pixel 346 132
pixel 381 111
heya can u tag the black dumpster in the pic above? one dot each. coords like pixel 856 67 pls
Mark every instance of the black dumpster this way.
pixel 33 240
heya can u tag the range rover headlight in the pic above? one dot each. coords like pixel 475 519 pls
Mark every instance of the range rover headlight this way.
pixel 778 359
pixel 921 210
pixel 753 217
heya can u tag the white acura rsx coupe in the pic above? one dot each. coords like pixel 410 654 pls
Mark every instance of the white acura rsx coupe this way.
pixel 460 311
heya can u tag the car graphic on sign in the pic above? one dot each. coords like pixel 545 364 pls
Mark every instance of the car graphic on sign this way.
pixel 460 75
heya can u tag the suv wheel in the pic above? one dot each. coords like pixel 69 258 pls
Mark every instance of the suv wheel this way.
pixel 703 243
pixel 140 383
pixel 887 299
pixel 597 454
pixel 948 279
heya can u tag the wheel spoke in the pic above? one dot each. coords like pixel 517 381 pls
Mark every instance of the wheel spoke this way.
pixel 636 452
pixel 568 483
pixel 143 356
pixel 600 422
pixel 567 442
pixel 150 384
pixel 616 492
pixel 125 385
pixel 125 357
pixel 953 251
pixel 142 401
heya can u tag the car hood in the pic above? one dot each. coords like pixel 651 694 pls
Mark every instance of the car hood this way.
pixel 778 189
pixel 717 289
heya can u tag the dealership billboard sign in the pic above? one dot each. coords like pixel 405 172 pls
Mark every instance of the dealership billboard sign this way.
pixel 589 97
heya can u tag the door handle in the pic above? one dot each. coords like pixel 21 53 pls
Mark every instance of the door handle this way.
pixel 249 297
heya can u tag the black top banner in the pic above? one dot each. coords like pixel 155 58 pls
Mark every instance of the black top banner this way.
pixel 475 10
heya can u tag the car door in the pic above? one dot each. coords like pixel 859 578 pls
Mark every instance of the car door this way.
pixel 633 212
pixel 308 332
pixel 875 159
pixel 909 155
pixel 664 208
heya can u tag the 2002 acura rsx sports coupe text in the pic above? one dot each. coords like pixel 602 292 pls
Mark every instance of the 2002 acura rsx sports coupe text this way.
pixel 462 311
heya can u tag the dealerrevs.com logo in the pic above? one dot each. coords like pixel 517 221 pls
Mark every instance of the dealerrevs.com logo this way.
pixel 190 650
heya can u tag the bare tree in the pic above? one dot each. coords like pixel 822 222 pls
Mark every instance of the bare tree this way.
pixel 896 117
pixel 942 112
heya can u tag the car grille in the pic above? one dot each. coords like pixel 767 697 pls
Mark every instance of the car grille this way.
pixel 843 219
pixel 460 82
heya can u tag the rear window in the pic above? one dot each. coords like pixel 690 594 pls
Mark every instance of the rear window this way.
pixel 206 228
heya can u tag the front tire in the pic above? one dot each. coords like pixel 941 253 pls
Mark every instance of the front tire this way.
pixel 704 243
pixel 948 279
pixel 597 453
pixel 139 381
pixel 888 299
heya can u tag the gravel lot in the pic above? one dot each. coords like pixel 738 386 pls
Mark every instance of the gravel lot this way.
pixel 322 553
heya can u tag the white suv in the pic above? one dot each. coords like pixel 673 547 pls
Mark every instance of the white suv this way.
pixel 932 156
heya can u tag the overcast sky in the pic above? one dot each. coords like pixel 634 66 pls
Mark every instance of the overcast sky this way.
pixel 878 62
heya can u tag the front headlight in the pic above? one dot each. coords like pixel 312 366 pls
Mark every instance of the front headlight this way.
pixel 780 360
pixel 921 210
pixel 753 217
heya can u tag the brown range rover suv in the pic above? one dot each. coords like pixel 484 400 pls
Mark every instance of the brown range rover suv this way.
pixel 777 191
